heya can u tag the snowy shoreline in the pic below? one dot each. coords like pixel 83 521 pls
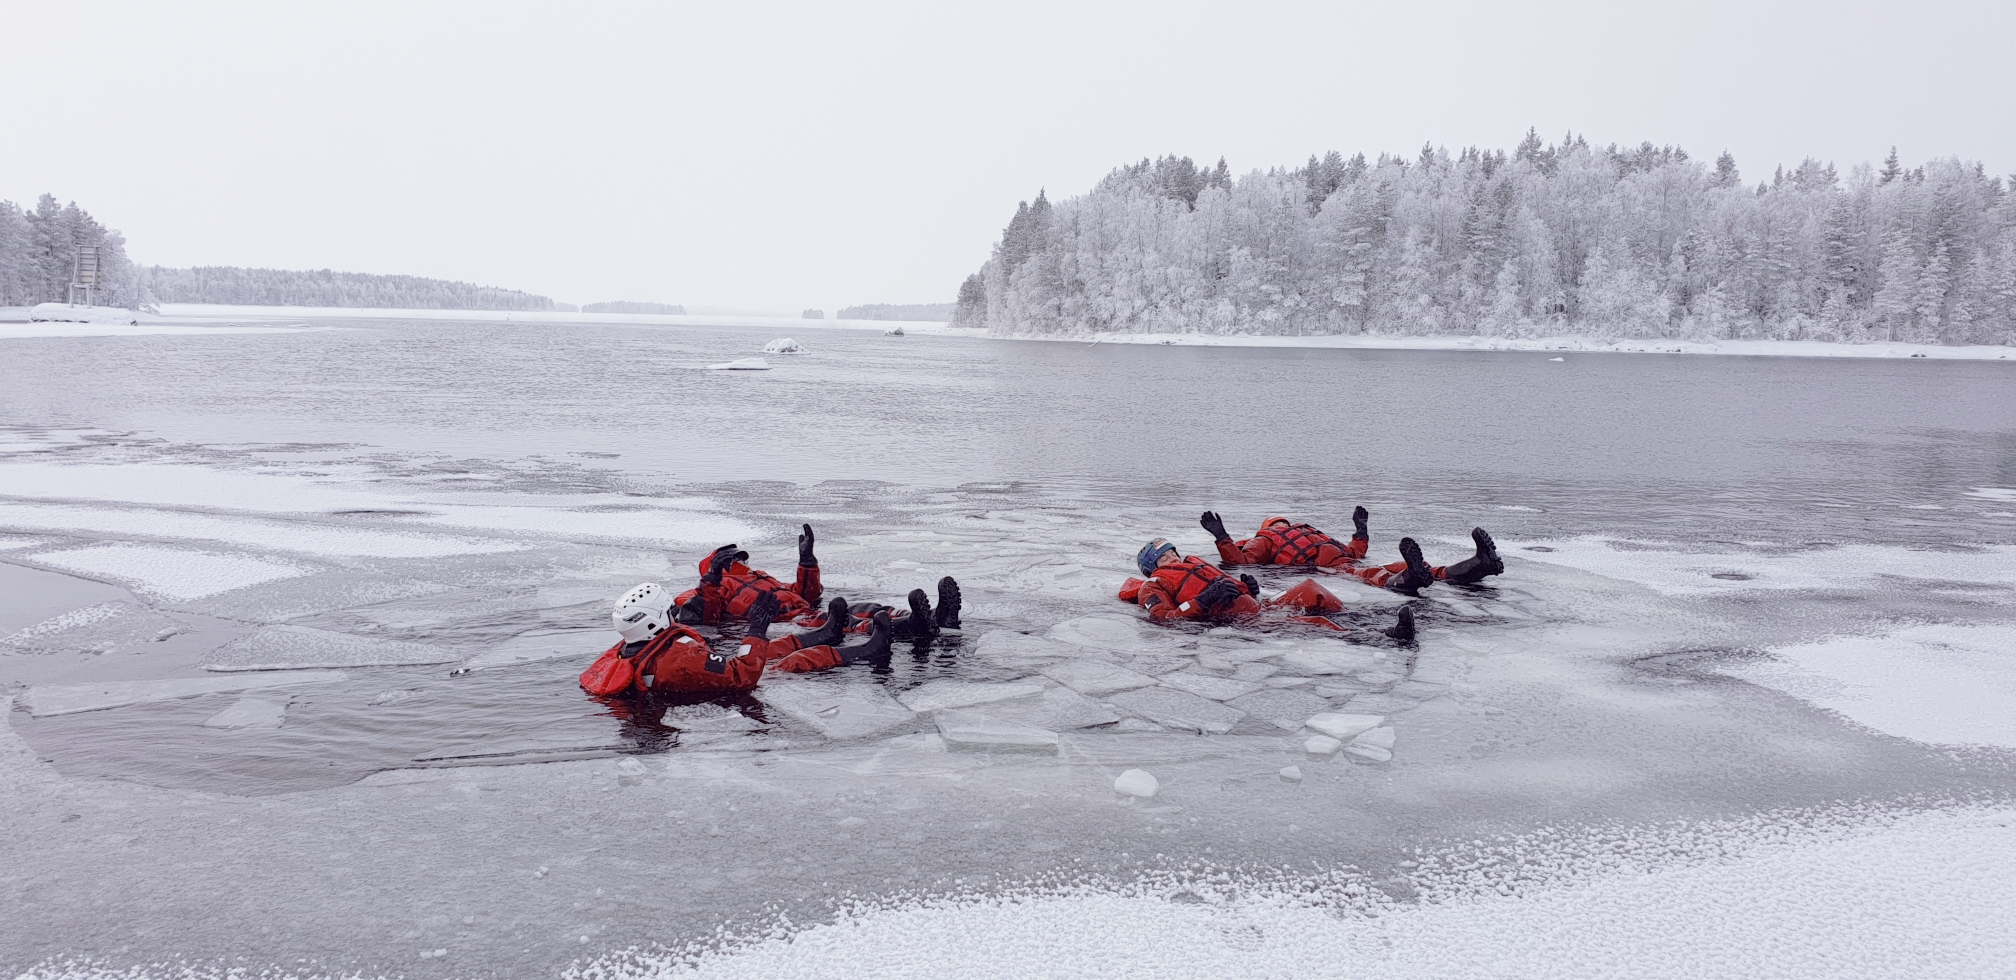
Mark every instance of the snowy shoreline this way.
pixel 1552 345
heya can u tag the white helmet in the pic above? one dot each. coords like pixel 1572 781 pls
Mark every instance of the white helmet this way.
pixel 643 612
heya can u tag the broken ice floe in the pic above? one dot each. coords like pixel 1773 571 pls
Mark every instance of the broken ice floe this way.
pixel 1008 646
pixel 970 731
pixel 1058 709
pixel 1284 709
pixel 837 710
pixel 1343 726
pixel 98 628
pixel 248 713
pixel 540 645
pixel 1096 677
pixel 1178 709
pixel 1321 745
pixel 1375 745
pixel 1208 686
pixel 939 694
pixel 296 647
pixel 64 699
pixel 172 573
pixel 1291 774
pixel 783 345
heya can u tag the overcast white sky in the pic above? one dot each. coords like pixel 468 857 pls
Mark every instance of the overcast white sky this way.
pixel 778 156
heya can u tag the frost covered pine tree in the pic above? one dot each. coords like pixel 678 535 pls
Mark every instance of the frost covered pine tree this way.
pixel 1550 238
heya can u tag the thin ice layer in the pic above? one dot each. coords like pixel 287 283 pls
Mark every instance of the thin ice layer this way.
pixel 172 573
pixel 1944 684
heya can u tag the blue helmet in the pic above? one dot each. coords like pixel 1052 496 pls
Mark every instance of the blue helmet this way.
pixel 1151 554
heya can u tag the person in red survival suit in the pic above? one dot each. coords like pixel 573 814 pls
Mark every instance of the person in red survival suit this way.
pixel 1179 588
pixel 1284 542
pixel 659 656
pixel 728 586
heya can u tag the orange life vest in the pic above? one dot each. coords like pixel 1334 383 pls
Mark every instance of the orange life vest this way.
pixel 1187 579
pixel 612 673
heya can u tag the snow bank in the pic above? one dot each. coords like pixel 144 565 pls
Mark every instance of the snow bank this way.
pixel 70 313
pixel 1943 683
pixel 1585 345
pixel 1924 895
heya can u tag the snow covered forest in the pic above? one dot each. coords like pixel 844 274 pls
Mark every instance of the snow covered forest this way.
pixel 280 287
pixel 1549 239
pixel 898 311
pixel 38 255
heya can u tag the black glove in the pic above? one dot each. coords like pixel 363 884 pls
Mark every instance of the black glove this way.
pixel 805 555
pixel 1218 595
pixel 1252 585
pixel 1214 524
pixel 1358 519
pixel 723 557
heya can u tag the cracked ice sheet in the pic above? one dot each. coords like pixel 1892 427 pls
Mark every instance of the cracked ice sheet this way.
pixel 1681 573
pixel 172 573
pixel 1926 895
pixel 294 536
pixel 1942 684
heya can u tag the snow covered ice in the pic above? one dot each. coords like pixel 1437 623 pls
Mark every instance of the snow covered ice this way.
pixel 301 656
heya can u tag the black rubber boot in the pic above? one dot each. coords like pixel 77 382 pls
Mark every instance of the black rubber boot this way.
pixel 762 613
pixel 881 630
pixel 1418 575
pixel 1481 565
pixel 1403 631
pixel 1360 526
pixel 949 602
pixel 922 625
pixel 831 632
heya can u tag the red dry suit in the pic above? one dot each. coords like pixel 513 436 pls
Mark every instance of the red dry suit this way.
pixel 1281 543
pixel 679 661
pixel 740 585
pixel 1171 593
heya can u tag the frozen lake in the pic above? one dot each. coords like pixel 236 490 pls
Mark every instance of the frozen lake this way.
pixel 236 572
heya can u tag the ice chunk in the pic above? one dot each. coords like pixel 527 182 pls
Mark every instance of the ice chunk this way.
pixel 1255 672
pixel 1102 632
pixel 295 647
pixel 97 628
pixel 1010 646
pixel 1382 737
pixel 1326 661
pixel 1282 709
pixel 1291 774
pixel 1322 745
pixel 1096 677
pixel 1160 664
pixel 742 364
pixel 783 345
pixel 1207 686
pixel 1176 709
pixel 172 573
pixel 836 709
pixel 532 647
pixel 248 713
pixel 1378 704
pixel 1059 709
pixel 1370 753
pixel 968 731
pixel 1339 725
pixel 64 699
pixel 1286 682
pixel 940 694
pixel 1137 783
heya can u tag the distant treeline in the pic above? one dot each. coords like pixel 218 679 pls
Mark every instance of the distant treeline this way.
pixel 899 311
pixel 231 285
pixel 1548 239
pixel 628 306
pixel 38 255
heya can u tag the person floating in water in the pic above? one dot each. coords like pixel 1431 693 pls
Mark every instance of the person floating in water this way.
pixel 728 587
pixel 657 655
pixel 1283 542
pixel 1177 588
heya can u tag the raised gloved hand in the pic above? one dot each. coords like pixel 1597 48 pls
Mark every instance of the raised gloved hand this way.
pixel 723 557
pixel 1218 595
pixel 1358 526
pixel 805 556
pixel 1214 524
pixel 1252 585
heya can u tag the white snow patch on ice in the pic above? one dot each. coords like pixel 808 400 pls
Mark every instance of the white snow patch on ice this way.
pixel 295 536
pixel 172 573
pixel 1943 684
pixel 1694 573
pixel 1924 896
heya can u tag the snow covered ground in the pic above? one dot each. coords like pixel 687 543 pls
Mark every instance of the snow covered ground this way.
pixel 311 701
